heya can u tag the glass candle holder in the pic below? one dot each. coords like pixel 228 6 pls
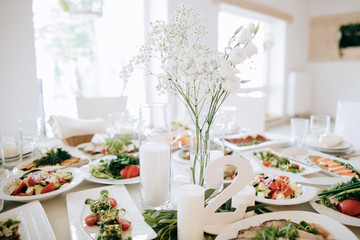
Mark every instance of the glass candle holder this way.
pixel 154 149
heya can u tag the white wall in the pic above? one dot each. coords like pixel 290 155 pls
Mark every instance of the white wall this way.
pixel 18 84
pixel 334 80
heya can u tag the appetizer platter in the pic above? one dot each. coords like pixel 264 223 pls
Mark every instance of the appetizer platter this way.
pixel 342 202
pixel 271 160
pixel 335 165
pixel 29 221
pixel 322 226
pixel 246 141
pixel 40 184
pixel 58 157
pixel 281 189
pixel 78 211
pixel 111 169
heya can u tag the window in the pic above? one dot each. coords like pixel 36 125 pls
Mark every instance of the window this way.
pixel 80 52
pixel 266 69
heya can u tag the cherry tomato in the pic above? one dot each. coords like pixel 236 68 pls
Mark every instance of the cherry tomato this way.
pixel 112 202
pixel 266 163
pixel 133 171
pixel 91 219
pixel 19 188
pixel 296 165
pixel 31 181
pixel 349 207
pixel 125 224
pixel 48 188
pixel 105 149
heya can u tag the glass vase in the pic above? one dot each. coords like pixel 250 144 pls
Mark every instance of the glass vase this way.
pixel 199 155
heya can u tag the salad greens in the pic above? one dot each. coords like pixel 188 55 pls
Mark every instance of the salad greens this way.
pixel 53 157
pixel 340 192
pixel 273 160
pixel 110 169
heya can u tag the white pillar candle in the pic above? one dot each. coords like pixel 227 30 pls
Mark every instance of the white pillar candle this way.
pixel 245 197
pixel 155 174
pixel 190 212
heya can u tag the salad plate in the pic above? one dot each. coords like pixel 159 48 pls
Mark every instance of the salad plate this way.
pixel 78 177
pixel 34 223
pixel 338 216
pixel 308 169
pixel 91 178
pixel 4 174
pixel 338 230
pixel 342 147
pixel 308 192
pixel 332 213
pixel 77 211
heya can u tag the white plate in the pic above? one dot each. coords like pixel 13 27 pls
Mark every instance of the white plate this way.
pixel 78 177
pixel 273 141
pixel 4 174
pixel 340 217
pixel 344 146
pixel 250 156
pixel 308 192
pixel 338 230
pixel 91 178
pixel 177 156
pixel 77 211
pixel 320 154
pixel 34 222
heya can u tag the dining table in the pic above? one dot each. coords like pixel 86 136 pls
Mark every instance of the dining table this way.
pixel 56 208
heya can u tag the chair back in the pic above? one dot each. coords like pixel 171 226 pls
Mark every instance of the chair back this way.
pixel 347 122
pixel 100 107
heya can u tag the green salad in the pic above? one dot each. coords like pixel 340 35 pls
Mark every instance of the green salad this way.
pixel 112 168
pixel 113 146
pixel 270 159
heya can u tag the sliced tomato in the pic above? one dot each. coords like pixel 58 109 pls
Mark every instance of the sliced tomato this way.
pixel 112 202
pixel 19 188
pixel 31 181
pixel 21 194
pixel 260 138
pixel 133 171
pixel 349 207
pixel 48 188
pixel 62 181
pixel 274 194
pixel 125 224
pixel 275 185
pixel 266 163
pixel 284 177
pixel 286 190
pixel 91 219
pixel 296 165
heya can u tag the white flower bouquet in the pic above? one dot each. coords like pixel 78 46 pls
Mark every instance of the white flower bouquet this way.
pixel 201 77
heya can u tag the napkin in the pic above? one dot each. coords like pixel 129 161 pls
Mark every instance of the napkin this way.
pixel 64 127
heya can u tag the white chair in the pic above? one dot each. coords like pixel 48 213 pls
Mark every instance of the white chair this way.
pixel 347 122
pixel 100 107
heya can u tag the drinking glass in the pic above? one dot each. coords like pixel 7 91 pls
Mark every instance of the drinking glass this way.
pixel 319 124
pixel 299 129
pixel 10 148
pixel 154 148
pixel 122 124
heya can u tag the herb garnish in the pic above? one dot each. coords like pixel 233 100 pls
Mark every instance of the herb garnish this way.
pixel 53 157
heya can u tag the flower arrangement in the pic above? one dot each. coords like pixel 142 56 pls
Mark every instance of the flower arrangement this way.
pixel 201 77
